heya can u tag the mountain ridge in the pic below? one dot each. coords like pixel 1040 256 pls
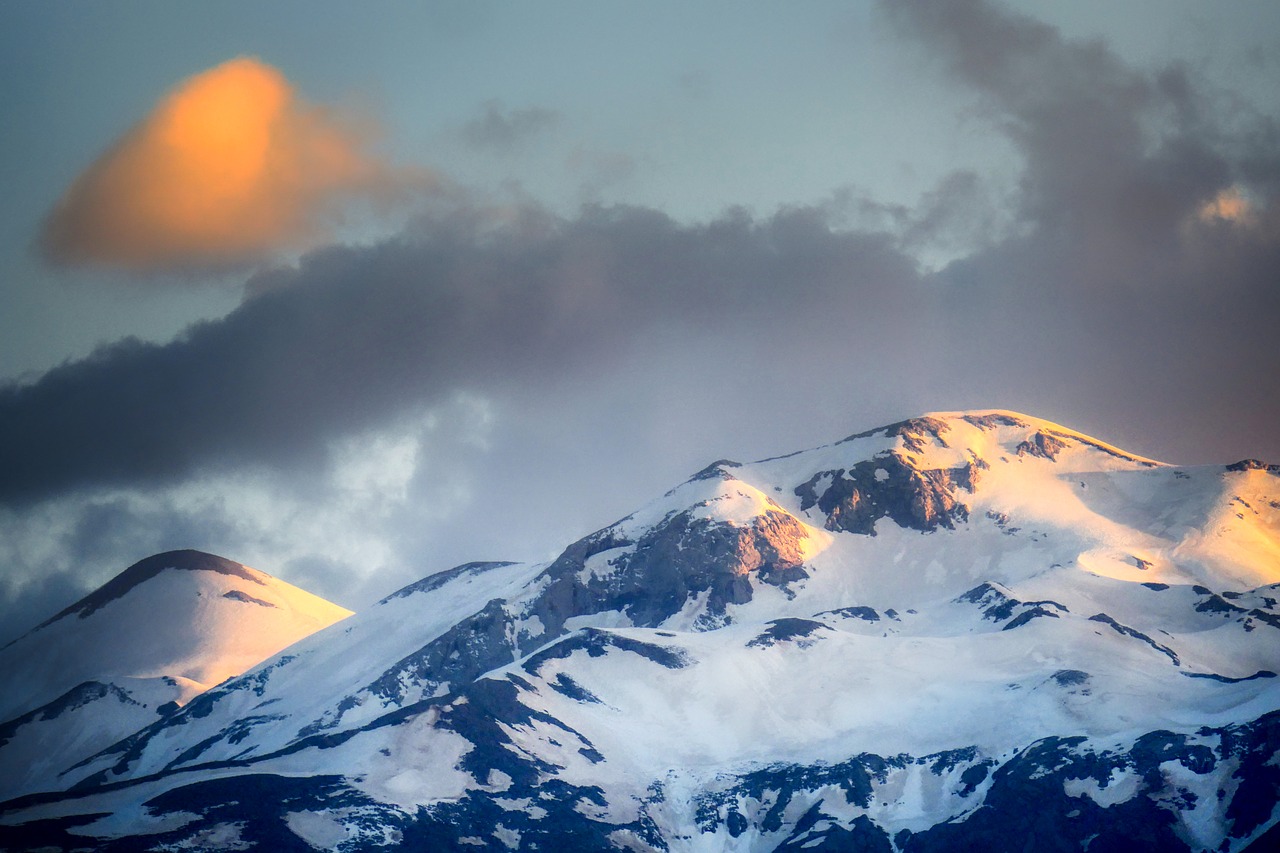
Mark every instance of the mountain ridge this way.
pixel 874 644
pixel 136 649
pixel 186 559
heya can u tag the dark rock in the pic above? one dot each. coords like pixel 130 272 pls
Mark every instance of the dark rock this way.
pixel 1253 465
pixel 974 776
pixel 1027 615
pixel 1042 444
pixel 1226 679
pixel 789 628
pixel 596 642
pixel 1070 677
pixel 682 557
pixel 820 833
pixel 237 595
pixel 996 604
pixel 716 470
pixel 1266 618
pixel 77 697
pixel 1217 604
pixel 992 421
pixel 1137 635
pixel 914 432
pixel 466 651
pixel 867 614
pixel 857 498
pixel 566 686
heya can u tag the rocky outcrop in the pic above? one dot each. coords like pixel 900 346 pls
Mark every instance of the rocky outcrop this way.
pixel 888 486
pixel 463 653
pixel 914 432
pixel 684 556
pixel 1253 465
pixel 1042 444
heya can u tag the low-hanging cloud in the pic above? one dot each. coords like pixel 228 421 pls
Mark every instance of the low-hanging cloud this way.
pixel 1134 296
pixel 356 336
pixel 229 167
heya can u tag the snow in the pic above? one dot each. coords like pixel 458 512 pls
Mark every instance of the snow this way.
pixel 165 640
pixel 1120 787
pixel 322 830
pixel 1093 532
pixel 324 678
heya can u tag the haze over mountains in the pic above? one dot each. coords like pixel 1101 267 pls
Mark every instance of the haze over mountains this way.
pixel 972 630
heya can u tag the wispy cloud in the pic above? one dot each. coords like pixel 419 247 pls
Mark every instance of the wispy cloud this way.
pixel 503 130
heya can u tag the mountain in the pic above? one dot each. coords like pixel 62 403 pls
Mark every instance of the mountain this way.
pixel 974 630
pixel 138 648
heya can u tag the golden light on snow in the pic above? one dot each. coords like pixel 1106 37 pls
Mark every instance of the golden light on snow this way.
pixel 229 165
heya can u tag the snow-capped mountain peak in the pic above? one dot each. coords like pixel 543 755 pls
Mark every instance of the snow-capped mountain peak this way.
pixel 164 630
pixel 946 633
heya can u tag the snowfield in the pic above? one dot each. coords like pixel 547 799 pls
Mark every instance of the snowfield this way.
pixel 971 630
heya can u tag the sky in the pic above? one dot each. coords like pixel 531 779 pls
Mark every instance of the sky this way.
pixel 354 297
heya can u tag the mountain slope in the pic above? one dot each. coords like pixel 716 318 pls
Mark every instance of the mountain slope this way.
pixel 968 630
pixel 143 644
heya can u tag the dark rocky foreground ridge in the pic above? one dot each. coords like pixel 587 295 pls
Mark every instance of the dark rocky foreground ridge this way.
pixel 966 631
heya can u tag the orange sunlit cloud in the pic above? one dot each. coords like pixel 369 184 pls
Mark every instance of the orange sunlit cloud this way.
pixel 1230 205
pixel 229 166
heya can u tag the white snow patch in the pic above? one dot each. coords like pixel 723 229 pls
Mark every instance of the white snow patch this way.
pixel 222 836
pixel 498 781
pixel 322 830
pixel 1123 785
pixel 600 566
pixel 1200 826
pixel 603 619
pixel 422 767
pixel 529 627
pixel 509 837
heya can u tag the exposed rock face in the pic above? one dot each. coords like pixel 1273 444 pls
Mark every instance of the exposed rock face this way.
pixel 472 647
pixel 914 432
pixel 649 580
pixel 1253 465
pixel 888 486
pixel 653 578
pixel 1042 444
pixel 998 605
pixel 996 419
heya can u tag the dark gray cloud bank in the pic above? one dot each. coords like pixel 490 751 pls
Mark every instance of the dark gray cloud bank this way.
pixel 1134 296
